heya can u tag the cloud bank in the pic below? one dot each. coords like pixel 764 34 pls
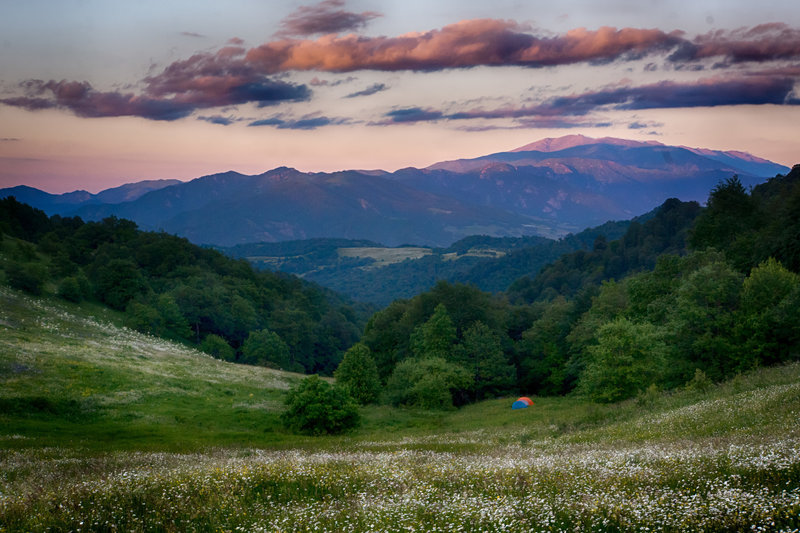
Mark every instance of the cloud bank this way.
pixel 708 92
pixel 235 75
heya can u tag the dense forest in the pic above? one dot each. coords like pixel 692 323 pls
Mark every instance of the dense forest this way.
pixel 690 296
pixel 686 296
pixel 174 289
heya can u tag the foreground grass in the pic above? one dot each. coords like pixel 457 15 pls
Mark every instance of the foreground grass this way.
pixel 102 429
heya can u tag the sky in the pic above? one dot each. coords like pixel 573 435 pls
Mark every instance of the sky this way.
pixel 97 93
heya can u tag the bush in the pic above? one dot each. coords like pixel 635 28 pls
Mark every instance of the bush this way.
pixel 216 346
pixel 74 288
pixel 314 407
pixel 700 382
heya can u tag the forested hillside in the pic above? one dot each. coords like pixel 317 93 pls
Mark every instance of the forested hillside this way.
pixel 169 287
pixel 638 249
pixel 688 297
pixel 489 263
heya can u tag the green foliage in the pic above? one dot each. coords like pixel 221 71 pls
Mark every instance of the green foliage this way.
pixel 118 282
pixel 158 315
pixel 543 350
pixel 481 354
pixel 357 372
pixel 704 321
pixel 215 346
pixel 29 277
pixel 74 288
pixel 428 383
pixel 664 233
pixel 700 382
pixel 769 322
pixel 397 332
pixel 266 348
pixel 435 338
pixel 314 407
pixel 627 359
pixel 728 220
pixel 172 288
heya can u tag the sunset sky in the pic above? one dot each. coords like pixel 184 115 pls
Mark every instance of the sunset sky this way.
pixel 97 93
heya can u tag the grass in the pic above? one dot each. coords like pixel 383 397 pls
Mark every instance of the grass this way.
pixel 70 380
pixel 385 256
pixel 104 429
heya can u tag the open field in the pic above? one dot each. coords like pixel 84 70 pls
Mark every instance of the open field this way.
pixel 104 429
pixel 385 256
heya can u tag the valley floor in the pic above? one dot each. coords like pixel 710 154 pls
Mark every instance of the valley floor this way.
pixel 103 429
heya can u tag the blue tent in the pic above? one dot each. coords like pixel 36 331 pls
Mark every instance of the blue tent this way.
pixel 519 404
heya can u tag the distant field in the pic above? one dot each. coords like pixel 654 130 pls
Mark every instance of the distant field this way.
pixel 385 256
pixel 104 429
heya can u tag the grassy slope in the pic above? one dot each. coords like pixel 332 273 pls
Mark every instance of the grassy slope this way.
pixel 87 410
pixel 71 380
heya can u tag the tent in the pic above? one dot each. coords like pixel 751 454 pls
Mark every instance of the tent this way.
pixel 522 403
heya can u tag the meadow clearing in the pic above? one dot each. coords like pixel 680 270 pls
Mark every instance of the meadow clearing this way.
pixel 105 429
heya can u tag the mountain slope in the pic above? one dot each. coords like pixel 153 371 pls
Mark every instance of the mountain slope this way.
pixel 285 204
pixel 587 181
pixel 549 188
pixel 59 204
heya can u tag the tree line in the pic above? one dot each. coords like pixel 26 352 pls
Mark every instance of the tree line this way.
pixel 686 296
pixel 690 296
pixel 169 287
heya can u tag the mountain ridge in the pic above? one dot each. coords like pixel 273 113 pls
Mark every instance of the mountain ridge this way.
pixel 567 184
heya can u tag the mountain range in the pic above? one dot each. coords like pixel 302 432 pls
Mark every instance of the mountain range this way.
pixel 551 187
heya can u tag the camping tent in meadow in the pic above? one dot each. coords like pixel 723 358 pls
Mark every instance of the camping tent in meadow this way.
pixel 522 403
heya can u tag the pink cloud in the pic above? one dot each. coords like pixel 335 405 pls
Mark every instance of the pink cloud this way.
pixel 235 75
pixel 465 44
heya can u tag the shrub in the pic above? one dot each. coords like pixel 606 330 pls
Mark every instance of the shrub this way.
pixel 74 288
pixel 216 346
pixel 314 407
pixel 700 382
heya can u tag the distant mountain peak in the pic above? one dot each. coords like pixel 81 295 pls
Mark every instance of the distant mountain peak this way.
pixel 555 144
